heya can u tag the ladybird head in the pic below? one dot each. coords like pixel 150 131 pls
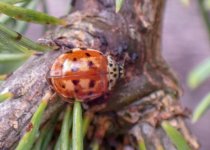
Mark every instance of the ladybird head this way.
pixel 115 71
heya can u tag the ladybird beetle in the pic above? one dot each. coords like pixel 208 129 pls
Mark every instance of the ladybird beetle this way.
pixel 84 74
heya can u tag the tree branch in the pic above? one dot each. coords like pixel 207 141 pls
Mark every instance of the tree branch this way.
pixel 135 31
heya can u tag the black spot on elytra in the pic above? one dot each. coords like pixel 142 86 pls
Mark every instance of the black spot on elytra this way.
pixel 75 82
pixel 111 81
pixel 115 69
pixel 115 75
pixel 63 86
pixel 74 59
pixel 87 54
pixel 91 83
pixel 74 69
pixel 111 72
pixel 90 63
pixel 110 65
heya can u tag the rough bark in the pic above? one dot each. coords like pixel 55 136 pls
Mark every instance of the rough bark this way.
pixel 148 95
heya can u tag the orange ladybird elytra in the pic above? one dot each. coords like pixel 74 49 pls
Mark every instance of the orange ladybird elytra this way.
pixel 84 74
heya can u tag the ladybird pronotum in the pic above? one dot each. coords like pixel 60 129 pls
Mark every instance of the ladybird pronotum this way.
pixel 84 74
